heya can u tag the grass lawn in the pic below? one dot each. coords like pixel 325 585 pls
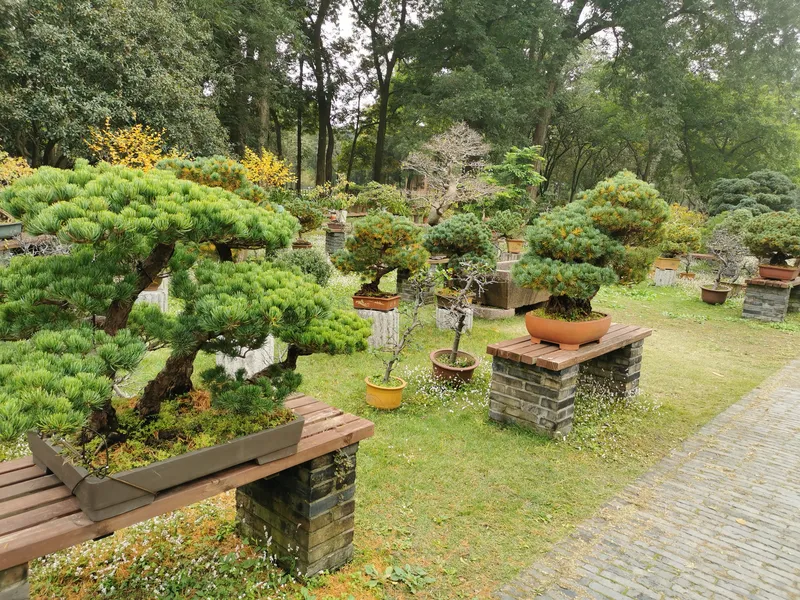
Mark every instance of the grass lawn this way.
pixel 439 486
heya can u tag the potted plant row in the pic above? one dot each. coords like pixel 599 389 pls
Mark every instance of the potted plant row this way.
pixel 381 243
pixel 119 454
pixel 574 250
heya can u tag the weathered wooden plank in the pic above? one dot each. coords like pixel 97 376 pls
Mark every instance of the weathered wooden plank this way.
pixel 529 358
pixel 309 409
pixel 34 540
pixel 28 487
pixel 492 349
pixel 31 501
pixel 514 352
pixel 298 401
pixel 567 358
pixel 15 465
pixel 40 515
pixel 20 475
pixel 343 419
pixel 321 415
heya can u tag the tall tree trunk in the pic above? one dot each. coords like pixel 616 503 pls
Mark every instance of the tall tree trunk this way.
pixel 173 380
pixel 278 135
pixel 323 118
pixel 299 165
pixel 263 123
pixel 380 140
pixel 120 310
pixel 329 153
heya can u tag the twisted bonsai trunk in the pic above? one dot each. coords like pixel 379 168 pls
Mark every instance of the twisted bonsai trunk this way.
pixel 289 363
pixel 569 308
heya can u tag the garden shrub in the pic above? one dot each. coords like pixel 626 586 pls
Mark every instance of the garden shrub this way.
pixel 507 224
pixel 774 236
pixel 377 196
pixel 266 170
pixel 213 171
pixel 12 168
pixel 311 262
pixel 380 244
pixel 136 146
pixel 682 232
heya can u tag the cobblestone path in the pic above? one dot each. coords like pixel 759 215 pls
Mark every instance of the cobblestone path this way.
pixel 719 518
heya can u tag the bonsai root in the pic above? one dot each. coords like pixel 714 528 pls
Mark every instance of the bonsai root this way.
pixel 173 380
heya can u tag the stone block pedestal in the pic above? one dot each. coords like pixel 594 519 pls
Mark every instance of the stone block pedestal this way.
pixel 14 583
pixel 385 326
pixel 771 300
pixel 445 320
pixel 159 297
pixel 665 277
pixel 305 515
pixel 252 360
pixel 334 241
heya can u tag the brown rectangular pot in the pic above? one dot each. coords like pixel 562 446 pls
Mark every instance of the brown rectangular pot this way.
pixel 504 293
pixel 105 497
pixel 384 303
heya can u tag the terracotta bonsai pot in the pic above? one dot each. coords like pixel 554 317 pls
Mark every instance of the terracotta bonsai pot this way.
pixel 457 375
pixel 301 245
pixel 336 226
pixel 569 335
pixel 382 303
pixel 668 264
pixel 686 275
pixel 515 246
pixel 712 296
pixel 780 273
pixel 385 397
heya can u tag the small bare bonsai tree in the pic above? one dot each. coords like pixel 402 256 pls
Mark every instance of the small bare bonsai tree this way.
pixel 730 253
pixel 472 278
pixel 452 164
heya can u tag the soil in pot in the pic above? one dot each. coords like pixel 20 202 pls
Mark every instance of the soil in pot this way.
pixel 386 396
pixel 183 443
pixel 459 371
pixel 712 296
pixel 569 335
pixel 779 273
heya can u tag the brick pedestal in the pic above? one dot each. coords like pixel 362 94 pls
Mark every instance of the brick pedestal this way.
pixel 385 326
pixel 14 583
pixel 306 512
pixel 334 241
pixel 770 300
pixel 544 399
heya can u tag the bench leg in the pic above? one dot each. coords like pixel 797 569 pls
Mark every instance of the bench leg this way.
pixel 533 397
pixel 617 372
pixel 14 583
pixel 305 515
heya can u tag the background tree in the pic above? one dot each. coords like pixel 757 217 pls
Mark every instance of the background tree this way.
pixel 759 192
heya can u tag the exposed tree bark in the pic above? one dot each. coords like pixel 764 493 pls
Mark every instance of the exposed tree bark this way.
pixel 173 380
pixel 153 265
pixel 289 363
pixel 299 165
pixel 103 421
pixel 278 135
pixel 329 152
pixel 224 252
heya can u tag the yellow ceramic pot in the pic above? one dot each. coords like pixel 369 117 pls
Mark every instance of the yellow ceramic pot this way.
pixel 384 397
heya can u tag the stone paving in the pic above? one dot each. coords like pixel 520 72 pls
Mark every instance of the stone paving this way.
pixel 719 518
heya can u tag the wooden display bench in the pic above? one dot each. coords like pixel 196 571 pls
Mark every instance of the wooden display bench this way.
pixel 770 299
pixel 304 502
pixel 533 385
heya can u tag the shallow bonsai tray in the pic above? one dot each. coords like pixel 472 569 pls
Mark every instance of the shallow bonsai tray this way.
pixel 104 497
pixel 381 303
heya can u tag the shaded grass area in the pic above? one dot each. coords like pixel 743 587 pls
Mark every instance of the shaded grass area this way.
pixel 441 487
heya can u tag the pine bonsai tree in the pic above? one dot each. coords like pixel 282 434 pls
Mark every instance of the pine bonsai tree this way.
pixel 774 236
pixel 306 212
pixel 126 227
pixel 380 244
pixel 571 258
pixel 228 306
pixel 462 238
pixel 760 192
pixel 507 224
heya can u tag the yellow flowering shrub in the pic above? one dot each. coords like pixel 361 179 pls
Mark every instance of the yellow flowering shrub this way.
pixel 138 146
pixel 12 168
pixel 266 169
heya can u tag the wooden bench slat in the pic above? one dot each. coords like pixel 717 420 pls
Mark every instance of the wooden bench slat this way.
pixel 298 401
pixel 33 540
pixel 309 409
pixel 493 349
pixel 28 487
pixel 567 358
pixel 10 508
pixel 320 415
pixel 20 475
pixel 529 358
pixel 38 516
pixel 14 465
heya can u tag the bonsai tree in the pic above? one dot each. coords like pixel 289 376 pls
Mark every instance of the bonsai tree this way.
pixel 759 192
pixel 310 262
pixel 452 164
pixel 211 171
pixel 126 228
pixel 381 243
pixel 462 238
pixel 507 224
pixel 632 212
pixel 308 214
pixel 682 234
pixel 730 254
pixel 774 236
pixel 333 197
pixel 569 256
